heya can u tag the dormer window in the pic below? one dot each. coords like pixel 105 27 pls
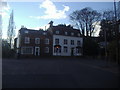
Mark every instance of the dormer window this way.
pixel 72 34
pixel 66 33
pixel 57 32
pixel 44 33
pixel 78 34
pixel 26 31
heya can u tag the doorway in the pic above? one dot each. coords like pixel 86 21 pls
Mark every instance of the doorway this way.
pixel 37 51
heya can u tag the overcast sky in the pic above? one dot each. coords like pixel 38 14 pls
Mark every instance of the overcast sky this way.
pixel 37 15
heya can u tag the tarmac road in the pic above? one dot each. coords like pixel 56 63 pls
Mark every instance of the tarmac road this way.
pixel 57 73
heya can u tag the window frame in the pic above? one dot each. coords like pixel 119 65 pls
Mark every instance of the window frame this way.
pixel 22 50
pixel 36 40
pixel 57 32
pixel 78 42
pixel 47 49
pixel 57 41
pixel 47 41
pixel 65 49
pixel 27 40
pixel 72 33
pixel 65 41
pixel 72 42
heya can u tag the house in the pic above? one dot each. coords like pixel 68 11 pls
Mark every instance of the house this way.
pixel 60 40
pixel 66 40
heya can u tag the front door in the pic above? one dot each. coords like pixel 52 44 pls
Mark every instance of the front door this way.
pixel 37 51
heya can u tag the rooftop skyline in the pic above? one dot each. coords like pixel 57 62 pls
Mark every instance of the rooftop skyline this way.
pixel 35 15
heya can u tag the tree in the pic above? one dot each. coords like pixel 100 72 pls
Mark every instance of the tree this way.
pixel 107 26
pixel 85 19
pixel 7 52
pixel 11 32
pixel 91 48
pixel 109 32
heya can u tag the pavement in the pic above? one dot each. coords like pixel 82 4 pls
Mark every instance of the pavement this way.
pixel 59 73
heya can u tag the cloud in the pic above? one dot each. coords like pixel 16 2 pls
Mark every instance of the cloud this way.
pixel 4 8
pixel 51 12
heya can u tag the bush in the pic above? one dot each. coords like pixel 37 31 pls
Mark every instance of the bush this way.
pixel 112 51
pixel 90 47
pixel 7 52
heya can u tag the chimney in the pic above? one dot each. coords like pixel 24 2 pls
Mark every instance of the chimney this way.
pixel 51 23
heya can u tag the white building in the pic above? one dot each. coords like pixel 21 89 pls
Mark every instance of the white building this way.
pixel 66 40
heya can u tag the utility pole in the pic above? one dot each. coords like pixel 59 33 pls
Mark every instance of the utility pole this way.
pixel 117 34
pixel 105 37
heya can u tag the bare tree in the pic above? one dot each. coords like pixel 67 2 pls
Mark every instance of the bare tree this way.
pixel 108 15
pixel 11 32
pixel 85 19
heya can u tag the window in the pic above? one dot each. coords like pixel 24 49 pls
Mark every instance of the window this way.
pixel 77 50
pixel 65 41
pixel 57 41
pixel 46 41
pixel 72 42
pixel 57 50
pixel 57 32
pixel 65 49
pixel 78 43
pixel 27 40
pixel 27 50
pixel 26 31
pixel 78 34
pixel 44 33
pixel 37 40
pixel 46 49
pixel 66 33
pixel 72 33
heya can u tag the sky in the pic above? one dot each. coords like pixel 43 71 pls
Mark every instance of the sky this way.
pixel 36 15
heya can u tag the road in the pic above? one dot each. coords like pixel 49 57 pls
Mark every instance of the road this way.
pixel 57 73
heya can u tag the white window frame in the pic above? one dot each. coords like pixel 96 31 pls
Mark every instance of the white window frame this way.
pixel 44 33
pixel 66 33
pixel 37 40
pixel 27 40
pixel 46 49
pixel 22 51
pixel 72 42
pixel 78 34
pixel 57 32
pixel 57 50
pixel 78 42
pixel 65 41
pixel 26 31
pixel 65 49
pixel 72 34
pixel 47 41
pixel 78 50
pixel 57 39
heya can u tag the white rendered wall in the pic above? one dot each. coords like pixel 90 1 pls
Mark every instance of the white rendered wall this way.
pixel 61 43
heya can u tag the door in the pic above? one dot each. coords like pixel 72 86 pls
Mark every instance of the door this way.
pixel 72 51
pixel 37 51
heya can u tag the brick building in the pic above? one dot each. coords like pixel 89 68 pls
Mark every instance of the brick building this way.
pixel 60 40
